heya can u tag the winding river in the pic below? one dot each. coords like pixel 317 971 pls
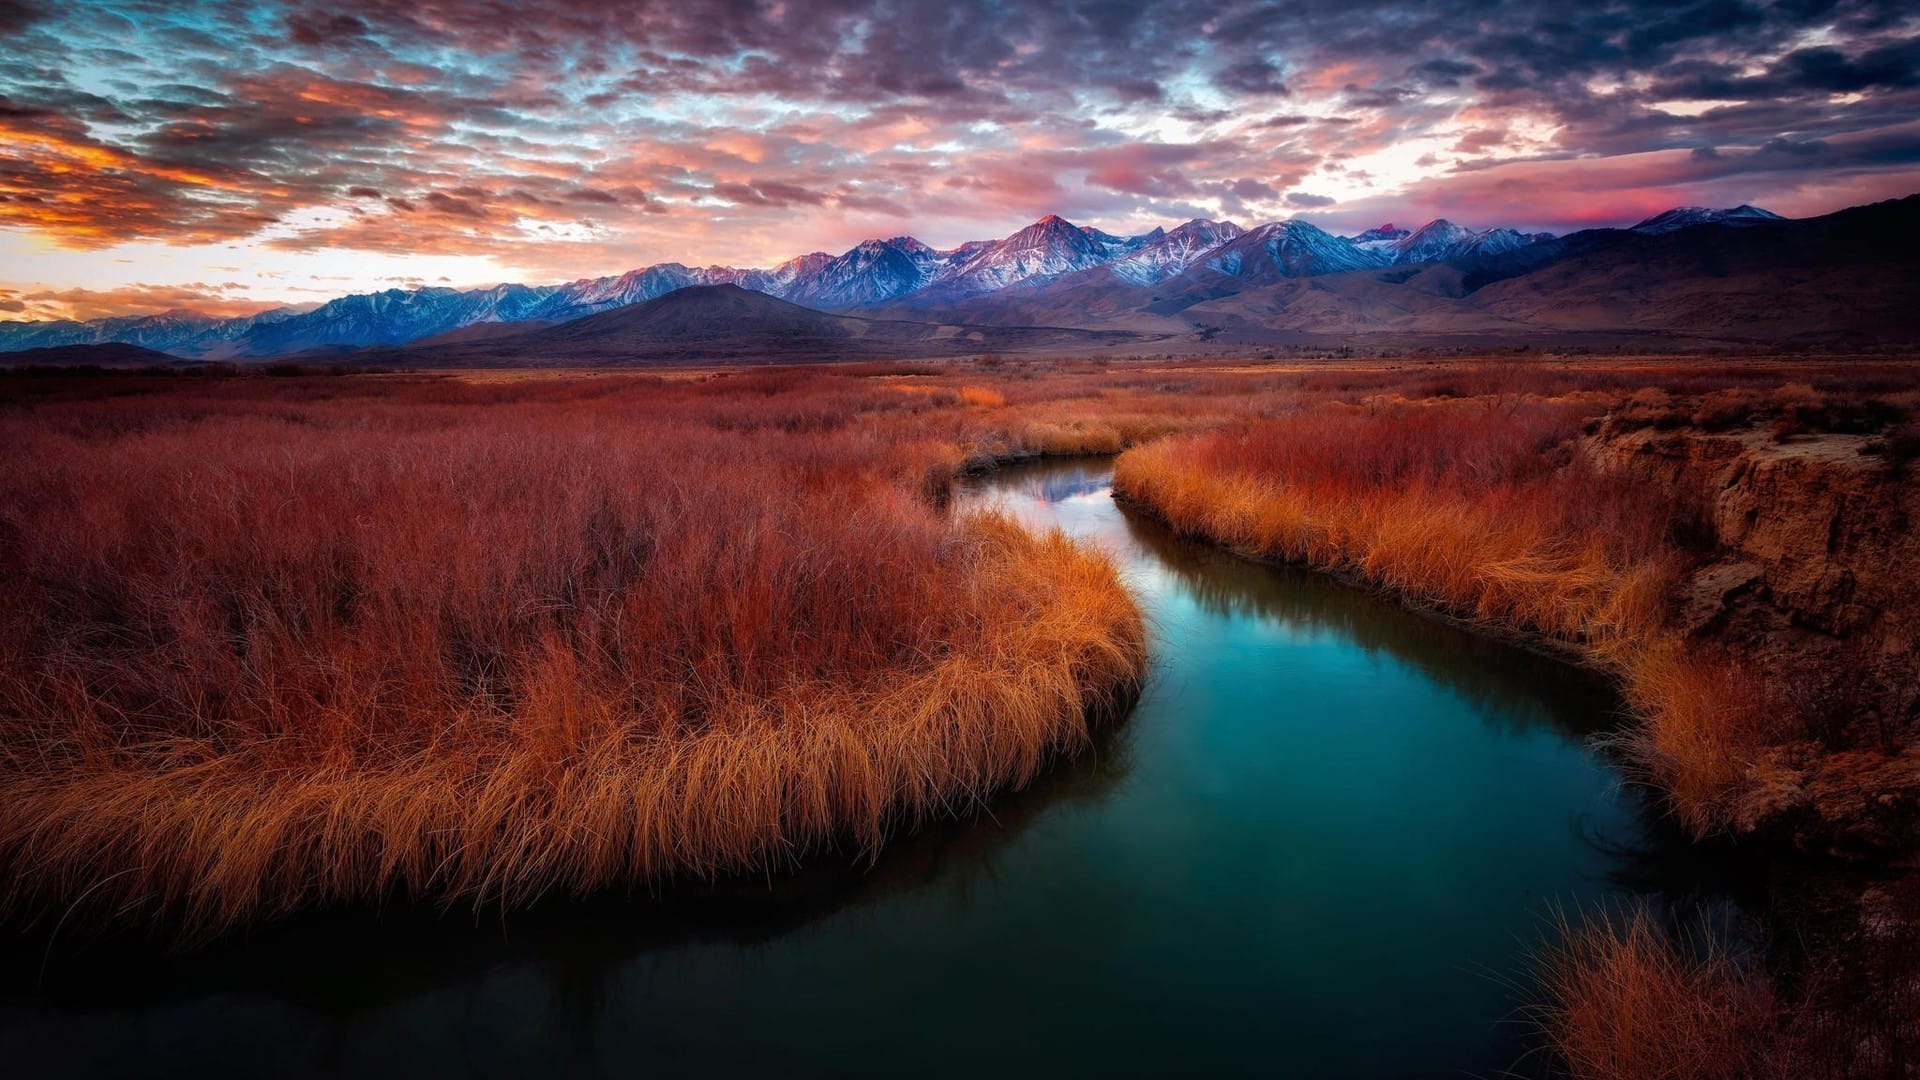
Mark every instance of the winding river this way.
pixel 1320 846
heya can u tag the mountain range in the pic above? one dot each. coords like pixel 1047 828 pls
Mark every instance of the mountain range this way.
pixel 1703 273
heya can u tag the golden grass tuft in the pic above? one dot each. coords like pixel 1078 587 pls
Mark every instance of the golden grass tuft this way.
pixel 1703 727
pixel 982 397
pixel 1622 1001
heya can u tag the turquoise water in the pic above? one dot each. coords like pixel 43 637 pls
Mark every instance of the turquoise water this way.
pixel 1319 847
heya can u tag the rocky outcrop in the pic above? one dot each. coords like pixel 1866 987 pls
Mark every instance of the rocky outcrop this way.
pixel 1809 573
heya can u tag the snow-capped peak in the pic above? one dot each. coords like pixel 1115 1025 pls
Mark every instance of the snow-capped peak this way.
pixel 871 272
pixel 1293 248
pixel 1045 249
pixel 1441 240
pixel 1381 234
pixel 1682 217
pixel 1164 254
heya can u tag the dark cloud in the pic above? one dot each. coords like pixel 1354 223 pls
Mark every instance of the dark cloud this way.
pixel 1379 97
pixel 1137 90
pixel 1443 72
pixel 495 124
pixel 1308 200
pixel 331 30
pixel 454 205
pixel 1798 147
pixel 768 193
pixel 1833 71
pixel 1480 140
pixel 17 15
pixel 1253 76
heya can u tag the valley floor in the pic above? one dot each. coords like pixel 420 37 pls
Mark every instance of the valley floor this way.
pixel 478 637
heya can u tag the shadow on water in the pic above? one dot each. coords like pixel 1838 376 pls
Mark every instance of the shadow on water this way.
pixel 1319 846
pixel 1508 684
pixel 348 961
pixel 331 972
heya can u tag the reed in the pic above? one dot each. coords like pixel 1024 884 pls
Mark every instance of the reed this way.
pixel 1623 1000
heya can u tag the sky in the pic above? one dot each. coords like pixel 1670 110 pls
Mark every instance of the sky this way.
pixel 228 156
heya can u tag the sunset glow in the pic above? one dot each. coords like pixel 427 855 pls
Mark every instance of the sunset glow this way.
pixel 232 157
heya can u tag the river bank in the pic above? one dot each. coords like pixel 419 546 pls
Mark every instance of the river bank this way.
pixel 1749 588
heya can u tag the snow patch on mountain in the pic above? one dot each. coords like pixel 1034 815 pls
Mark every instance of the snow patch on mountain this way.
pixel 1443 241
pixel 1289 249
pixel 1380 237
pixel 873 272
pixel 1043 250
pixel 1162 254
pixel 1682 217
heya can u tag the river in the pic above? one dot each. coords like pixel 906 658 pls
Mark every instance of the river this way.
pixel 1320 846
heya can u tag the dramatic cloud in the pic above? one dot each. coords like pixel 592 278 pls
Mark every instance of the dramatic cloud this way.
pixel 130 300
pixel 551 139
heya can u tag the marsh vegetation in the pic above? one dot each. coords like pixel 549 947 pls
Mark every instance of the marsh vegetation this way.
pixel 279 644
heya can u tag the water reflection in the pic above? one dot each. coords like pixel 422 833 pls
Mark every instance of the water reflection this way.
pixel 350 961
pixel 1319 847
pixel 1511 685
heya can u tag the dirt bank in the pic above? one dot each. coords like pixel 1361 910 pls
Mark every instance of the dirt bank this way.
pixel 1810 582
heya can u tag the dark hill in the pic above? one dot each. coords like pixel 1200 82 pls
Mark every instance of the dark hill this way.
pixel 728 324
pixel 722 316
pixel 108 355
pixel 1851 277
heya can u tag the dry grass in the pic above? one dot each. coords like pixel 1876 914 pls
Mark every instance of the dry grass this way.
pixel 1464 491
pixel 1704 721
pixel 288 641
pixel 1623 1001
pixel 982 396
pixel 274 647
pixel 1474 501
pixel 1450 505
pixel 1481 513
